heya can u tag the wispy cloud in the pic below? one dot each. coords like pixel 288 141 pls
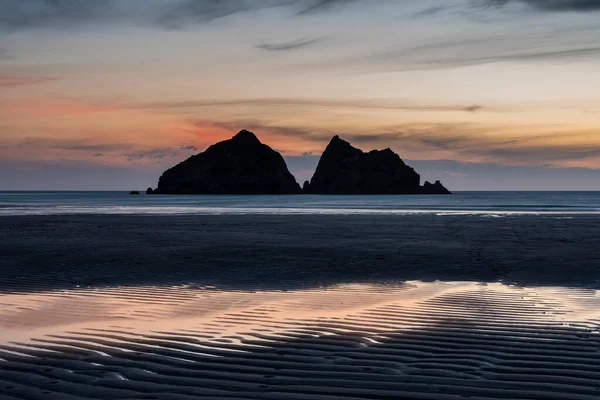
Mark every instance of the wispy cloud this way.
pixel 318 6
pixel 462 52
pixel 188 147
pixel 433 10
pixel 291 45
pixel 554 5
pixel 154 154
pixel 68 144
pixel 176 14
pixel 368 104
pixel 510 149
pixel 170 14
pixel 314 135
pixel 456 140
pixel 62 14
pixel 11 81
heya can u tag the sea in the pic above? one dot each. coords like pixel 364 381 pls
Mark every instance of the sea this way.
pixel 467 202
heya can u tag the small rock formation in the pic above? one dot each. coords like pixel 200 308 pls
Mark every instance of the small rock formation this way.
pixel 305 186
pixel 149 191
pixel 434 188
pixel 240 165
pixel 134 192
pixel 344 169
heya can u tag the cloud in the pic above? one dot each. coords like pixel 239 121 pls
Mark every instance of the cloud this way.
pixel 291 45
pixel 433 10
pixel 516 149
pixel 89 147
pixel 398 105
pixel 462 52
pixel 67 144
pixel 171 14
pixel 312 135
pixel 55 106
pixel 11 81
pixel 177 14
pixel 154 154
pixel 473 108
pixel 318 6
pixel 86 149
pixel 547 153
pixel 188 148
pixel 26 14
pixel 463 141
pixel 199 11
pixel 555 5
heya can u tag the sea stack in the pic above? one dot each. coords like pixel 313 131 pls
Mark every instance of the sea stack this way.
pixel 240 165
pixel 434 188
pixel 344 169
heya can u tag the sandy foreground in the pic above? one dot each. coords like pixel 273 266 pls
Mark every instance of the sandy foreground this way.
pixel 300 307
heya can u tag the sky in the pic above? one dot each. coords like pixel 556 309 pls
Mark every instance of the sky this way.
pixel 481 94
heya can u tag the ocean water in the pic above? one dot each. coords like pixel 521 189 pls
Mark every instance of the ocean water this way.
pixel 118 202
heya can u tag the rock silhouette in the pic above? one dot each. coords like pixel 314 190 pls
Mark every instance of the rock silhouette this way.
pixel 344 169
pixel 305 186
pixel 240 165
pixel 435 188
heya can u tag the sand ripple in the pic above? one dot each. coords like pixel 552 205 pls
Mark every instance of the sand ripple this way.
pixel 407 341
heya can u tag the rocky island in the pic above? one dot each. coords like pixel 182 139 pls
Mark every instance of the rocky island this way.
pixel 240 165
pixel 344 169
pixel 244 165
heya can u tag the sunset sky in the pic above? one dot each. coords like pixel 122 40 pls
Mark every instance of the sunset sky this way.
pixel 481 94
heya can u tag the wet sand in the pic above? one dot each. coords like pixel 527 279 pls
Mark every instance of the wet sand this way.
pixel 304 307
pixel 262 251
pixel 404 341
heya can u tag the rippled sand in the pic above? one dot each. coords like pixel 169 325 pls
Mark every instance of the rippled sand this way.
pixel 352 341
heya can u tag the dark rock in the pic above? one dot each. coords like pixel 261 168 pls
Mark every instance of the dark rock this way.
pixel 435 188
pixel 134 192
pixel 240 165
pixel 149 191
pixel 305 186
pixel 344 169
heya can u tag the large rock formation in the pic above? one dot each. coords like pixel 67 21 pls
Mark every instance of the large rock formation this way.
pixel 240 165
pixel 344 169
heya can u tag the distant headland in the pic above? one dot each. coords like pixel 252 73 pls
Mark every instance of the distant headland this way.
pixel 244 165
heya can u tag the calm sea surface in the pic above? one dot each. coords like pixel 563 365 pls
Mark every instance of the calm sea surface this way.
pixel 63 202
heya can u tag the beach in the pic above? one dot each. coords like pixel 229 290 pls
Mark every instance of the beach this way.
pixel 273 251
pixel 419 306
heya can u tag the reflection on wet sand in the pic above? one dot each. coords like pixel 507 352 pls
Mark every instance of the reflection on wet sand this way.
pixel 411 340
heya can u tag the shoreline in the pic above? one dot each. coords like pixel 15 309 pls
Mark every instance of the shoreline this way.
pixel 175 211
